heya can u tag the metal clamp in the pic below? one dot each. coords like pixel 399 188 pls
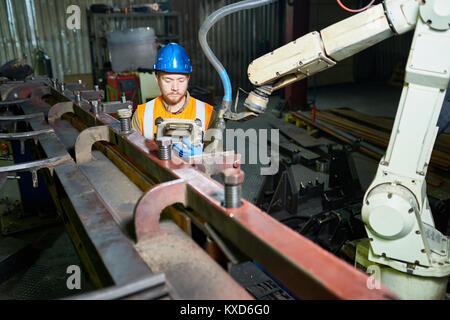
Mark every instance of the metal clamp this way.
pixel 58 110
pixel 114 106
pixel 149 208
pixel 33 167
pixel 214 163
pixel 85 140
pixel 92 95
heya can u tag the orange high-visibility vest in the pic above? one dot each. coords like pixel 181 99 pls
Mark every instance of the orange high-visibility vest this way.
pixel 152 110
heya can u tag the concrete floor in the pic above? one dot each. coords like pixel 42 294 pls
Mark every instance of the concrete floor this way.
pixel 43 274
pixel 45 278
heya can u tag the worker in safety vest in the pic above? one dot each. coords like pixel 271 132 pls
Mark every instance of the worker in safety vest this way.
pixel 173 69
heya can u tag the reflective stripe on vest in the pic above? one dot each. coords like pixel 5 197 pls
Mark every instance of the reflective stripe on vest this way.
pixel 200 113
pixel 148 119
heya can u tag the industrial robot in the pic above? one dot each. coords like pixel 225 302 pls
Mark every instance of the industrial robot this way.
pixel 411 253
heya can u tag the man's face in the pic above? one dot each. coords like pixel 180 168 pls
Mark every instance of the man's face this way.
pixel 173 86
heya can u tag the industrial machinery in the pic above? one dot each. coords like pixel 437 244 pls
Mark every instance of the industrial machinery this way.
pixel 114 190
pixel 414 257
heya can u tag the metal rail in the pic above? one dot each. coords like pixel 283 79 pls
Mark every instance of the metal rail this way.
pixel 26 135
pixel 22 117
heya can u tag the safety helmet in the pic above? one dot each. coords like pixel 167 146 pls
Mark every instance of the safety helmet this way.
pixel 173 58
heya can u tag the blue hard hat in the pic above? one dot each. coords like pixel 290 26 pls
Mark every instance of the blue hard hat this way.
pixel 173 58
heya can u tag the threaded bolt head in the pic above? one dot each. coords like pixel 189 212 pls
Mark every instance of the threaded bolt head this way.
pixel 124 113
pixel 233 176
pixel 164 142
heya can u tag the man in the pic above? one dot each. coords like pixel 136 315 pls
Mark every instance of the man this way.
pixel 173 69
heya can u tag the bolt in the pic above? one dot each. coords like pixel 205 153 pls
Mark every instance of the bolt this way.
pixel 94 107
pixel 164 148
pixel 34 177
pixel 233 178
pixel 417 232
pixel 125 118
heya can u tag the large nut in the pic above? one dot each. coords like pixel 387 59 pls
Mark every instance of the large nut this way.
pixel 233 176
pixel 124 113
pixel 164 141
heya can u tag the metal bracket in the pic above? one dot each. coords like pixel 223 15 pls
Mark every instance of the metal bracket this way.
pixel 75 86
pixel 22 136
pixel 92 95
pixel 113 106
pixel 149 208
pixel 33 167
pixel 214 163
pixel 58 110
pixel 85 140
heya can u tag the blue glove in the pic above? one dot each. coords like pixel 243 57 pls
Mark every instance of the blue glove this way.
pixel 189 150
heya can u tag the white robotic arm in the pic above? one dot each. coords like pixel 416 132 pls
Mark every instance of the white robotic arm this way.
pixel 395 211
pixel 318 51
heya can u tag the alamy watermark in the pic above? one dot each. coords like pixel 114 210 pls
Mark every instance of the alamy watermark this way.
pixel 74 280
pixel 73 22
pixel 258 142
pixel 374 280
